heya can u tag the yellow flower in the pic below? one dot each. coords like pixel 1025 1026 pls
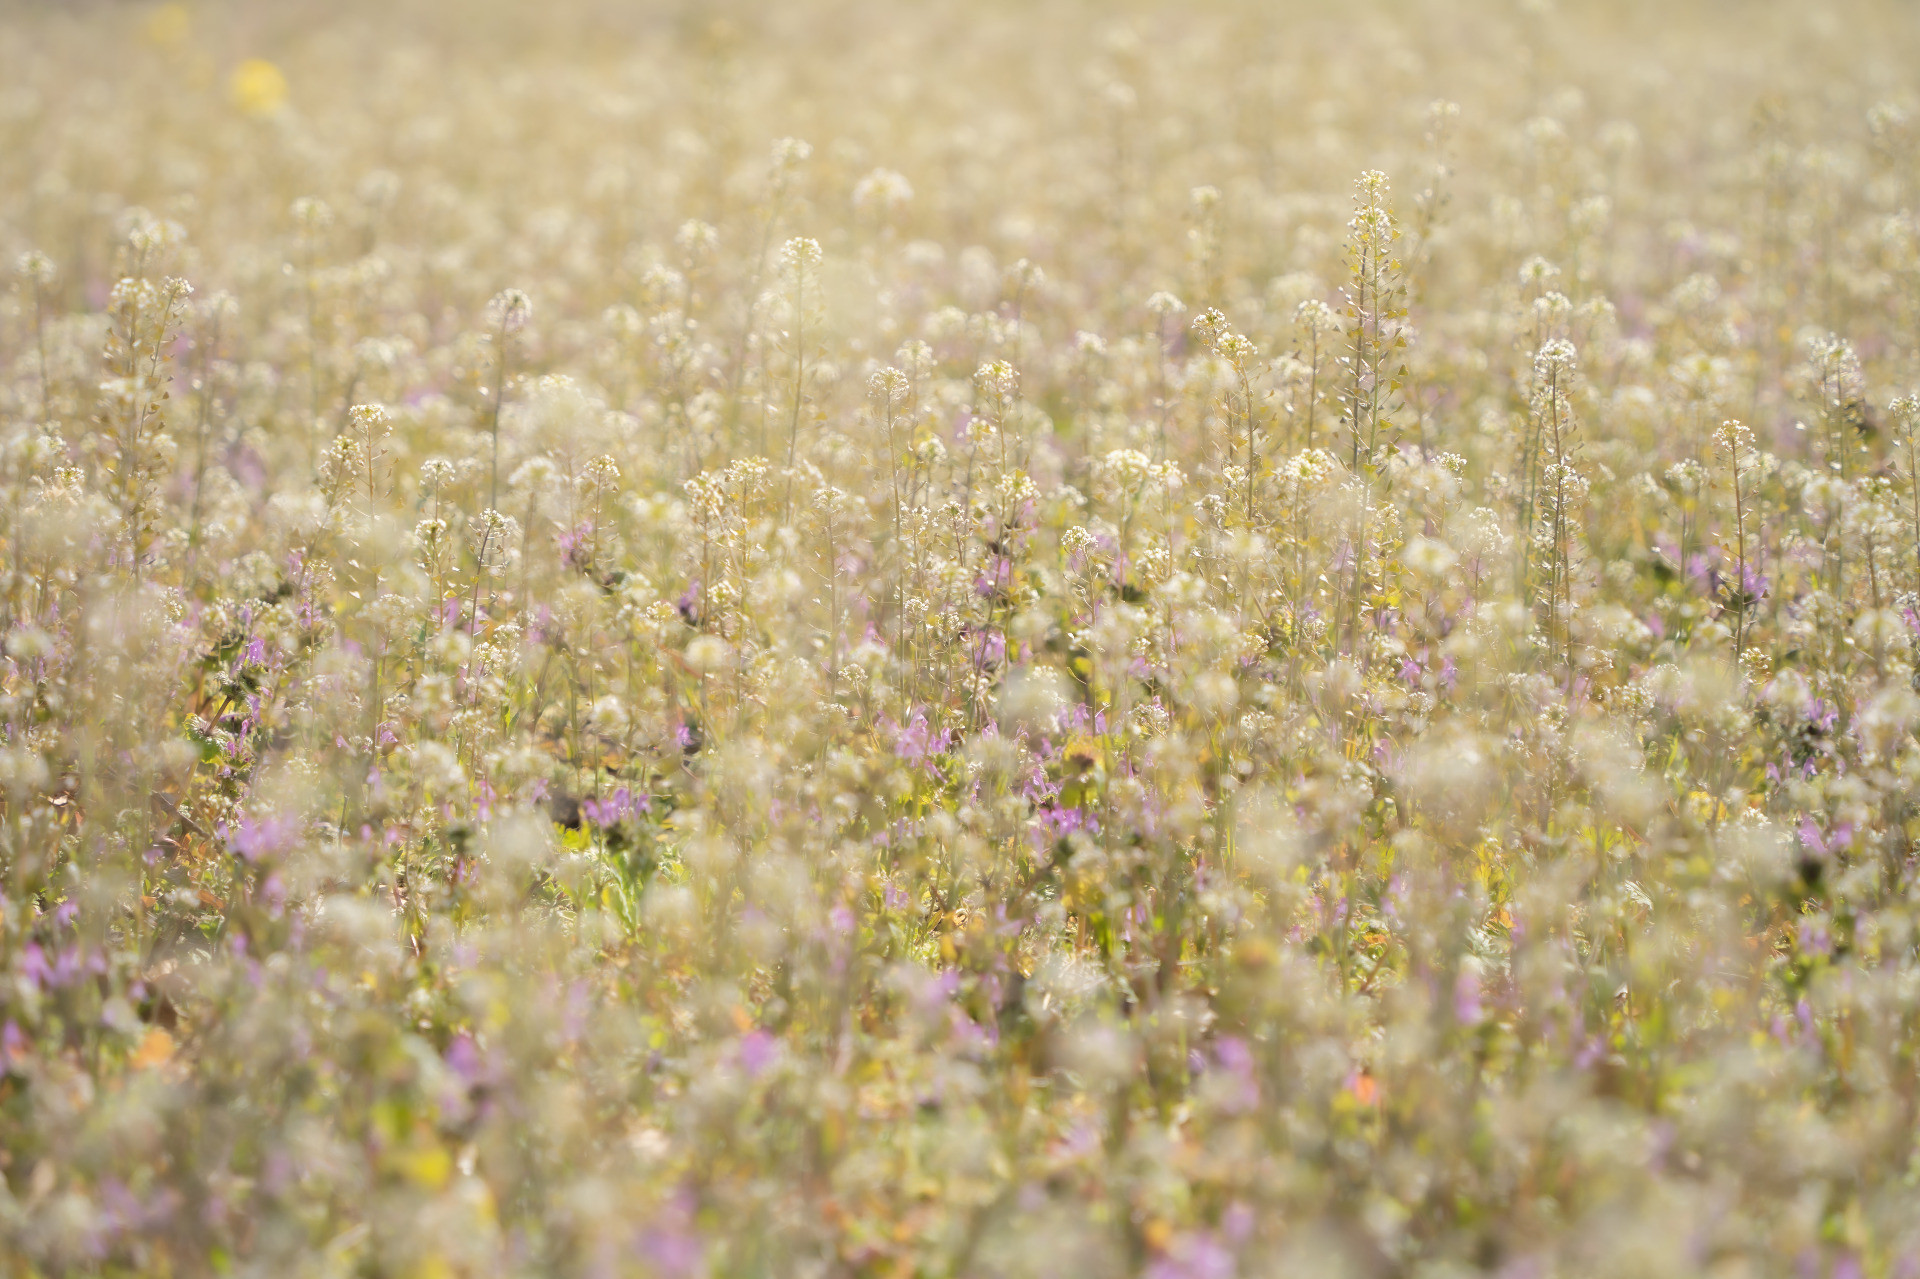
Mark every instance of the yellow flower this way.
pixel 156 1049
pixel 258 87
pixel 168 25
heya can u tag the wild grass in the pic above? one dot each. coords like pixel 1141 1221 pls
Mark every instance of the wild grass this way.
pixel 960 639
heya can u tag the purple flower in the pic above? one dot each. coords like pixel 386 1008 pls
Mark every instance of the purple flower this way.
pixel 254 839
pixel 463 1057
pixel 1234 1086
pixel 936 992
pixel 1199 1255
pixel 1815 938
pixel 1053 823
pixel 34 967
pixel 669 1245
pixel 917 742
pixel 993 648
pixel 623 805
pixel 1803 1013
pixel 1466 998
pixel 576 546
pixel 758 1050
pixel 1822 844
pixel 998 575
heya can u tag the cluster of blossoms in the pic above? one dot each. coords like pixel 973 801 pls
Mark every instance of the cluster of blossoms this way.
pixel 1187 644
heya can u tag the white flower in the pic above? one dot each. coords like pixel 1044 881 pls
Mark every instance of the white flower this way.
pixel 707 653
pixel 509 311
pixel 882 188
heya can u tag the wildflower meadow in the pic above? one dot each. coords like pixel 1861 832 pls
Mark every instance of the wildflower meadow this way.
pixel 960 638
